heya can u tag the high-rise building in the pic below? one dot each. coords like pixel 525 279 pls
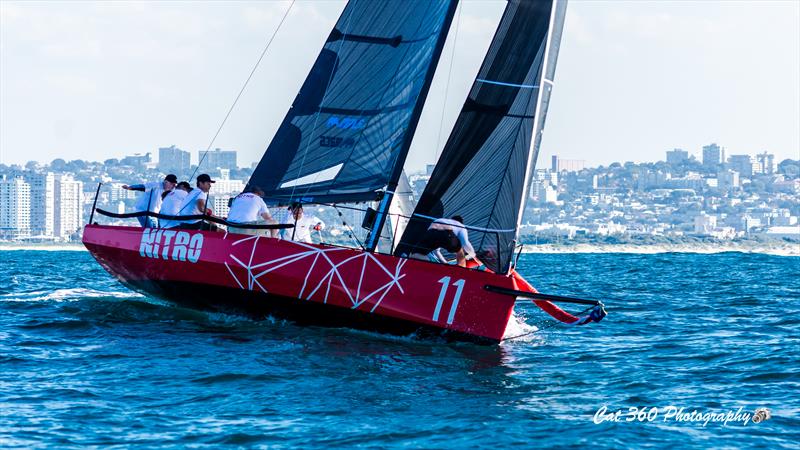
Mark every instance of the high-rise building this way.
pixel 766 161
pixel 223 186
pixel 546 174
pixel 742 164
pixel 174 160
pixel 559 165
pixel 728 179
pixel 116 193
pixel 68 206
pixel 220 204
pixel 137 160
pixel 704 224
pixel 677 156
pixel 15 208
pixel 543 192
pixel 42 203
pixel 713 155
pixel 217 159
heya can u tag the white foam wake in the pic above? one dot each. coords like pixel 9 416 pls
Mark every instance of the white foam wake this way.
pixel 65 295
pixel 517 327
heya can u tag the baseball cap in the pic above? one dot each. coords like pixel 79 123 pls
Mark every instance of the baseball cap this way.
pixel 171 178
pixel 204 177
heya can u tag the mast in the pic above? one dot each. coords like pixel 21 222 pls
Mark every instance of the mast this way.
pixel 380 218
pixel 544 84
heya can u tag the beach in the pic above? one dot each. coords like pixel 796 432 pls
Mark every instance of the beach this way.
pixel 764 248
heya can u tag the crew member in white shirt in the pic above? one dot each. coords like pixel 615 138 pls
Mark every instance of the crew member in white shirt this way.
pixel 303 225
pixel 449 234
pixel 195 204
pixel 152 197
pixel 249 208
pixel 172 204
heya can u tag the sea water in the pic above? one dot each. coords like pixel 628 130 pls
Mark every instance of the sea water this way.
pixel 690 341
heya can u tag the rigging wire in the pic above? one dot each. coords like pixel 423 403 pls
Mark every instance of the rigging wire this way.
pixel 263 52
pixel 351 231
pixel 447 85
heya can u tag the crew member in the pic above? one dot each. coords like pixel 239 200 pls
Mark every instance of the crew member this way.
pixel 448 234
pixel 172 204
pixel 153 195
pixel 195 204
pixel 249 208
pixel 303 225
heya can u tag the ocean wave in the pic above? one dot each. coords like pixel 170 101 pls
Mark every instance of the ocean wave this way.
pixel 66 295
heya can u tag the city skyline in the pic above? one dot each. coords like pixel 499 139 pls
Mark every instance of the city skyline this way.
pixel 633 80
pixel 725 198
pixel 164 160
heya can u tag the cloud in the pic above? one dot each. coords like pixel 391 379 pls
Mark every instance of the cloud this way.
pixel 576 26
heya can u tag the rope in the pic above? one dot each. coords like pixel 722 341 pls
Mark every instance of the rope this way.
pixel 447 86
pixel 263 52
pixel 206 218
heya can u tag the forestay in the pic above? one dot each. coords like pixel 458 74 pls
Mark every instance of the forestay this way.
pixel 482 174
pixel 352 121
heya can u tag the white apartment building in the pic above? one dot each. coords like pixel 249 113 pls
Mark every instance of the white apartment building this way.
pixel 220 205
pixel 728 179
pixel 43 199
pixel 15 208
pixel 704 224
pixel 116 193
pixel 68 206
pixel 234 187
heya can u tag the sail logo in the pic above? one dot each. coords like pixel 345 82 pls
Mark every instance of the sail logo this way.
pixel 171 245
pixel 332 141
pixel 346 123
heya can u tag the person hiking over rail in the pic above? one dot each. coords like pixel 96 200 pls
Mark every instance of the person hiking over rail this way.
pixel 172 204
pixel 448 234
pixel 303 225
pixel 153 195
pixel 249 208
pixel 196 204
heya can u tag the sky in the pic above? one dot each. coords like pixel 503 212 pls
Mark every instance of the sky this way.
pixel 85 80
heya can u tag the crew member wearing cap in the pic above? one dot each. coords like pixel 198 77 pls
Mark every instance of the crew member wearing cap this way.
pixel 151 200
pixel 195 204
pixel 172 204
pixel 249 208
pixel 303 225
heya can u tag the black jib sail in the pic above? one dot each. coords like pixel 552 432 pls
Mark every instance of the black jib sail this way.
pixel 352 121
pixel 482 174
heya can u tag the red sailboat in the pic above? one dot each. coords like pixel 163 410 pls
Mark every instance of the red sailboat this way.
pixel 345 140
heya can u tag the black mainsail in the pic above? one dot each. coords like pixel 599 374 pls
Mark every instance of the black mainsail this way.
pixel 482 174
pixel 348 132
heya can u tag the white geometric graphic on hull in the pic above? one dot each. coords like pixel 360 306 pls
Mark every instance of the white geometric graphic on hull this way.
pixel 332 277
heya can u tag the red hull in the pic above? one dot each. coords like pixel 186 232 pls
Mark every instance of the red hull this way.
pixel 308 283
